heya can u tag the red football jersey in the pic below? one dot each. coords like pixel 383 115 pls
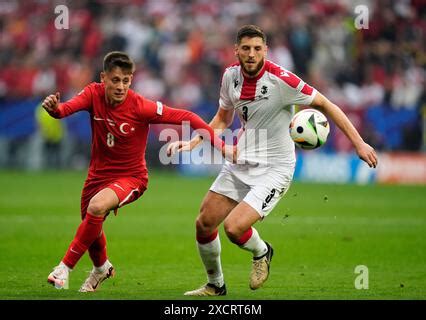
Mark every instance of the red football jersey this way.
pixel 119 133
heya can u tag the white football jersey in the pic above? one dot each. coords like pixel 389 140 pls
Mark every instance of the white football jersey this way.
pixel 265 106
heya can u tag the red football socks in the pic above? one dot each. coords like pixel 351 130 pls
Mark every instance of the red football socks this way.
pixel 97 251
pixel 245 237
pixel 210 238
pixel 88 231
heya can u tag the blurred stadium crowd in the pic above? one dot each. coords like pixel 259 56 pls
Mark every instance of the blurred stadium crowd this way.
pixel 181 48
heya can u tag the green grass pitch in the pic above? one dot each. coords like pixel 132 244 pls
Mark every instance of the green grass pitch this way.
pixel 320 233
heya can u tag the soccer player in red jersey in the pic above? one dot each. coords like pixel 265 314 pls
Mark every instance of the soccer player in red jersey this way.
pixel 117 174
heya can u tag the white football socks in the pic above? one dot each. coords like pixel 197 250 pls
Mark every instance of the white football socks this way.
pixel 210 255
pixel 62 264
pixel 103 267
pixel 255 245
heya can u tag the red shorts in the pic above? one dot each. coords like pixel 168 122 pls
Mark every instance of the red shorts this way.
pixel 127 190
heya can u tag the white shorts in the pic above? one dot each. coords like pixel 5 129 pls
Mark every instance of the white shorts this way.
pixel 261 187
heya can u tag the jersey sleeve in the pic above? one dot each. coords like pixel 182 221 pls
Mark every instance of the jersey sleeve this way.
pixel 224 100
pixel 294 90
pixel 82 101
pixel 156 112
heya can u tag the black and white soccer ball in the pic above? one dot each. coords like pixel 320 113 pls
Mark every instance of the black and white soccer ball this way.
pixel 309 129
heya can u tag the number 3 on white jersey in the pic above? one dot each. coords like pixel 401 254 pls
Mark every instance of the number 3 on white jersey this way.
pixel 110 139
pixel 245 113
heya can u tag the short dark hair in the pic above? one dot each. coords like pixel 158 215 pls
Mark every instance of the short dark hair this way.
pixel 250 31
pixel 118 59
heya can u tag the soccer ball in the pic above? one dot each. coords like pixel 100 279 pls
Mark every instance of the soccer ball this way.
pixel 309 129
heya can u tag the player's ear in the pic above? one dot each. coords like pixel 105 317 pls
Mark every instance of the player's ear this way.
pixel 102 76
pixel 236 50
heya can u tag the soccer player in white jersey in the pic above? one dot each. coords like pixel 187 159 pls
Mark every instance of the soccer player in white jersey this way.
pixel 262 94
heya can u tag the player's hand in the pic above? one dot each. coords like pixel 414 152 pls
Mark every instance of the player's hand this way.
pixel 366 152
pixel 230 153
pixel 178 146
pixel 51 102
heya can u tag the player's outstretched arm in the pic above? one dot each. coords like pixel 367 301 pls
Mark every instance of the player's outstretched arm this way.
pixel 364 150
pixel 178 116
pixel 222 120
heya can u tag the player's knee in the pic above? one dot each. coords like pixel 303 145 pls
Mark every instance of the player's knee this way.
pixel 97 208
pixel 233 232
pixel 204 226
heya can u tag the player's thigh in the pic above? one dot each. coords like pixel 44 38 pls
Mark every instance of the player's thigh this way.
pixel 103 201
pixel 90 189
pixel 127 189
pixel 101 197
pixel 224 195
pixel 214 209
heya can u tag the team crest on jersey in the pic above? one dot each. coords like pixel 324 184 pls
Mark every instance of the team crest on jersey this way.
pixel 264 90
pixel 236 83
pixel 126 128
